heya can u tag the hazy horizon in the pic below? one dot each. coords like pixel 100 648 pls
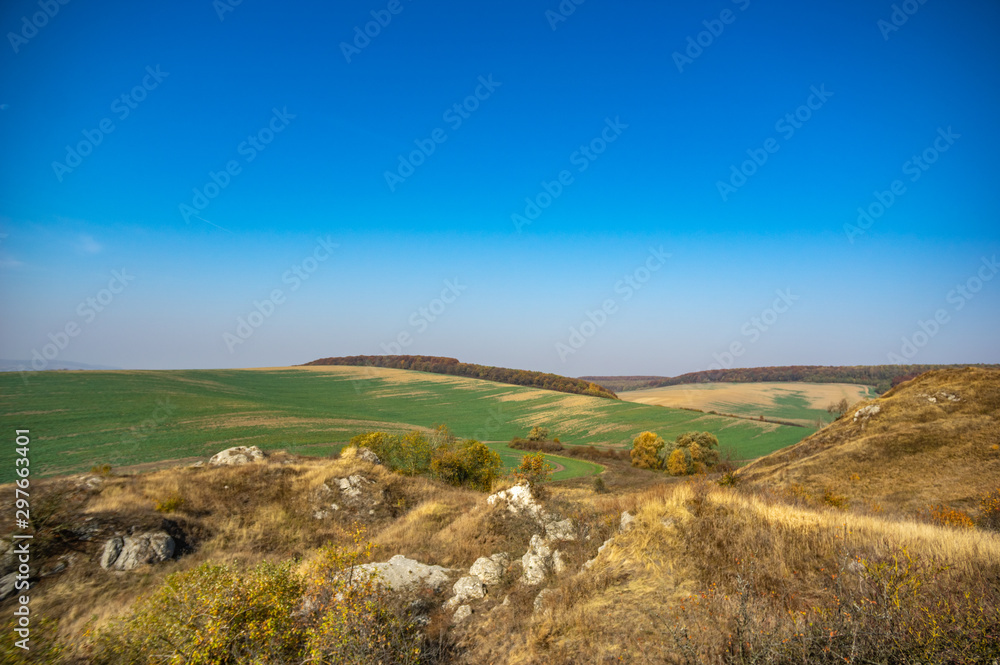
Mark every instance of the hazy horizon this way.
pixel 640 190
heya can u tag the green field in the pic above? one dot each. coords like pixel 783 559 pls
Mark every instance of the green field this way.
pixel 125 418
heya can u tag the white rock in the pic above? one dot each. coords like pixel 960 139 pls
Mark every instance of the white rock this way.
pixel 489 571
pixel 866 412
pixel 352 486
pixel 237 455
pixel 400 573
pixel 467 588
pixel 367 455
pixel 600 549
pixel 539 604
pixel 558 563
pixel 518 500
pixel 564 530
pixel 461 614
pixel 626 521
pixel 536 561
pixel 134 551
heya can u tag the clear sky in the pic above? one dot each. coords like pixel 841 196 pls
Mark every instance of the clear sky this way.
pixel 602 188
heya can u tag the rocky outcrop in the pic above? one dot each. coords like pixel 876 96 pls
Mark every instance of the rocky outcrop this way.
pixel 367 455
pixel 133 551
pixel 490 570
pixel 461 614
pixel 402 574
pixel 563 530
pixel 467 588
pixel 236 456
pixel 539 561
pixel 518 500
pixel 626 521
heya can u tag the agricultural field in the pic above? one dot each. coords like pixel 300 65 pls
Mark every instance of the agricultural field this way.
pixel 128 418
pixel 802 403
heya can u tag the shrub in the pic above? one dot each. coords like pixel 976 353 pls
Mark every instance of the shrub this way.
pixel 646 451
pixel 534 469
pixel 945 516
pixel 212 614
pixel 468 464
pixel 599 485
pixel 679 462
pixel 169 504
pixel 989 510
pixel 518 443
pixel 101 470
pixel 409 454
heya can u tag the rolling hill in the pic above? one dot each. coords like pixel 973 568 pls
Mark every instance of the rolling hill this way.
pixel 125 418
pixel 932 440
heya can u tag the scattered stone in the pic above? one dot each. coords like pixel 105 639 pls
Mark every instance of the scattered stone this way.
pixel 626 521
pixel 400 573
pixel 558 563
pixel 540 598
pixel 588 564
pixel 197 465
pixel 352 486
pixel 564 530
pixel 461 614
pixel 519 501
pixel 237 455
pixel 536 561
pixel 866 412
pixel 489 571
pixel 55 570
pixel 133 551
pixel 467 588
pixel 368 455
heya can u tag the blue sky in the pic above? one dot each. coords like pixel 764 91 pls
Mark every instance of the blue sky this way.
pixel 645 142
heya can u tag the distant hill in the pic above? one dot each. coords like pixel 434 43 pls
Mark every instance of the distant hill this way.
pixel 934 439
pixel 441 365
pixel 883 377
pixel 25 365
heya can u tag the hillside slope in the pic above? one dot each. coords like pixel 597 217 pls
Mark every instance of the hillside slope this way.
pixel 934 439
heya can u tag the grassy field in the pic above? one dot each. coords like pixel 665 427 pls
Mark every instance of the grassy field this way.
pixel 802 403
pixel 125 418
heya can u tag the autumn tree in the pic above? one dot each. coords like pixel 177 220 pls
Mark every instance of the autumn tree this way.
pixel 646 449
pixel 538 434
pixel 693 452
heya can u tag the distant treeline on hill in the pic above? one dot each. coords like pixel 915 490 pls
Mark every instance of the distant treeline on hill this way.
pixel 883 377
pixel 439 365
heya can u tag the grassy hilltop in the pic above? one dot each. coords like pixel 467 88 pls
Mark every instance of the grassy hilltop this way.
pixel 79 419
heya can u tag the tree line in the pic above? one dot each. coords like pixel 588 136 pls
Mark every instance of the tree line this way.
pixel 882 377
pixel 442 365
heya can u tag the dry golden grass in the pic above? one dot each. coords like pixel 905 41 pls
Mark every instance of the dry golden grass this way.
pixel 914 453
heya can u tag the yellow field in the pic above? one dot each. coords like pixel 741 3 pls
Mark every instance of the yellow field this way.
pixel 796 402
